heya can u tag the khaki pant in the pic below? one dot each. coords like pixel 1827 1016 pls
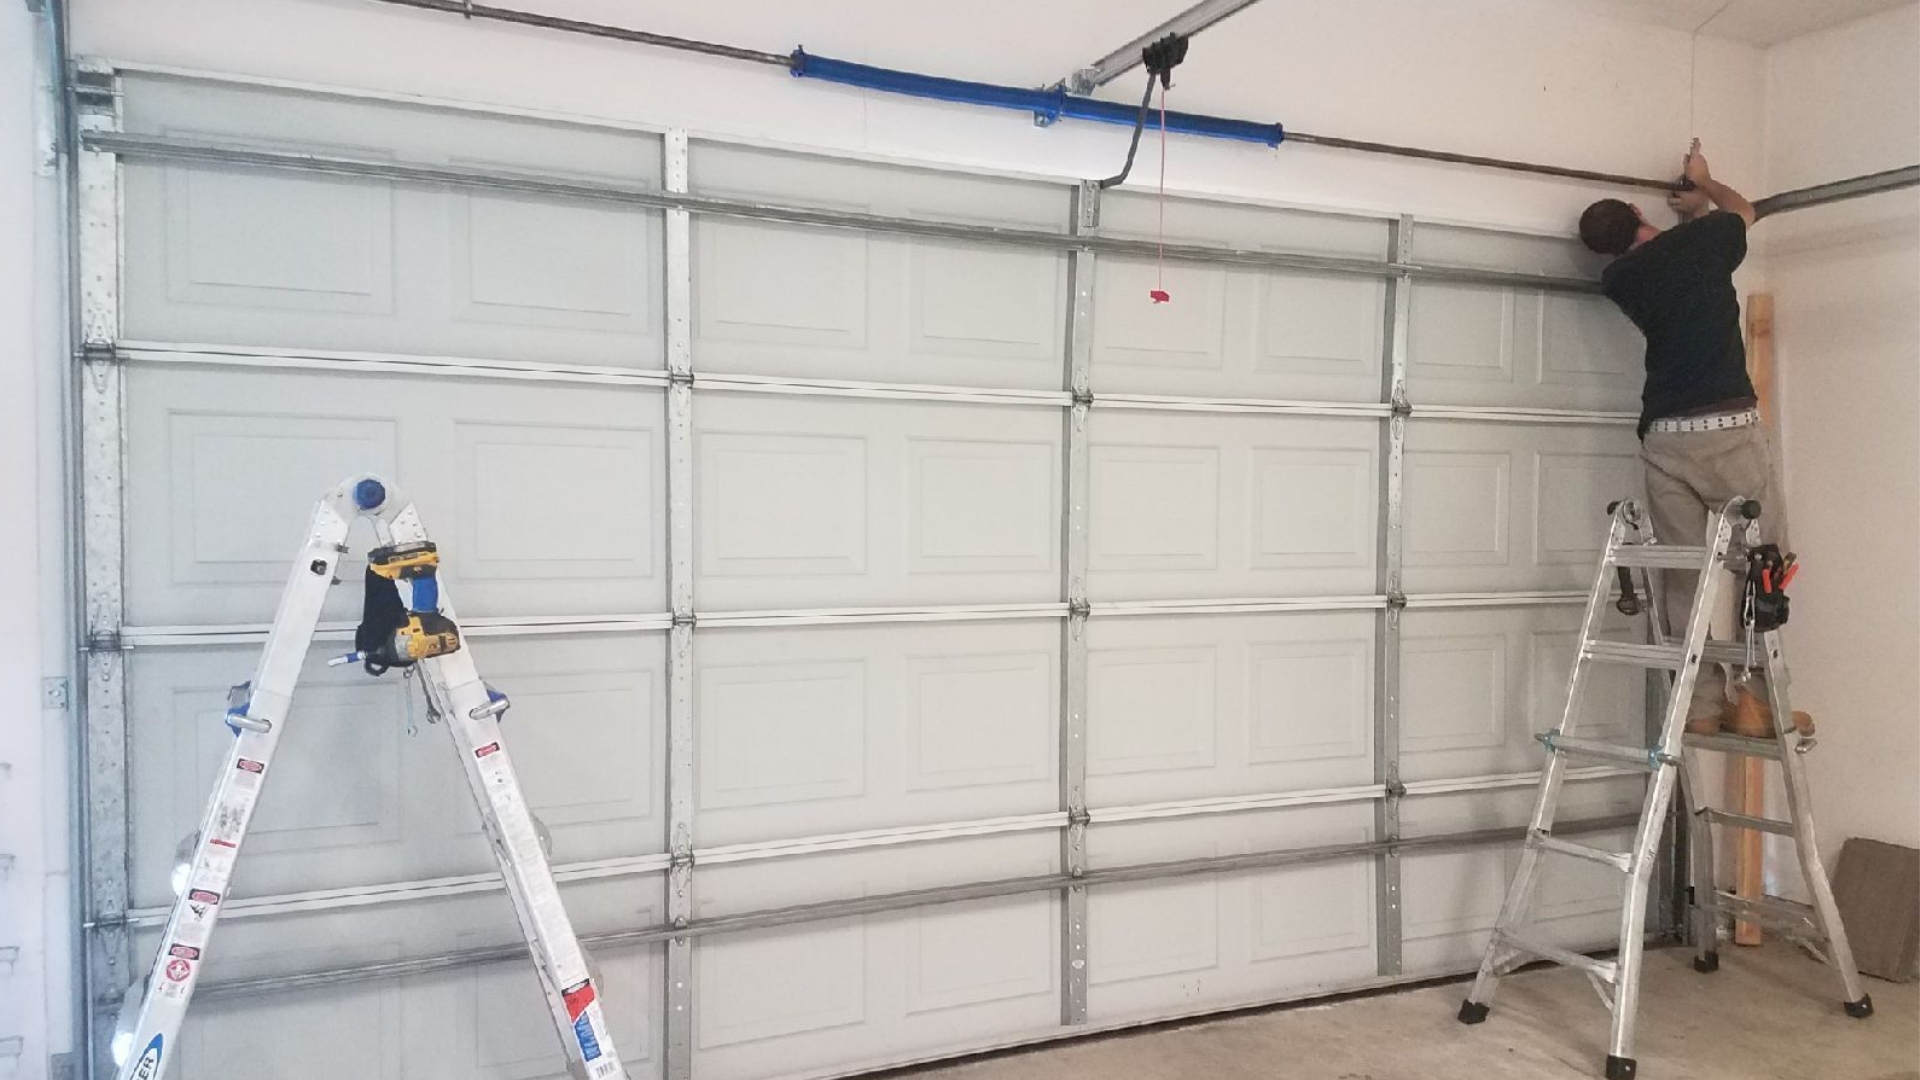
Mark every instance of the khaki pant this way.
pixel 1689 476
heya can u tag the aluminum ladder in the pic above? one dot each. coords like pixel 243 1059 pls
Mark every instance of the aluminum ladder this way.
pixel 1629 548
pixel 429 641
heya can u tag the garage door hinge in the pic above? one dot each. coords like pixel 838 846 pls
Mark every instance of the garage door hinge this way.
pixel 1079 815
pixel 679 378
pixel 1401 406
pixel 92 87
pixel 93 353
pixel 1079 609
pixel 1083 397
pixel 1396 600
pixel 682 858
pixel 104 641
pixel 685 618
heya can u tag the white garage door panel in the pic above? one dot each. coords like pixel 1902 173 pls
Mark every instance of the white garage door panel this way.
pixel 1238 333
pixel 253 258
pixel 807 503
pixel 784 300
pixel 1226 939
pixel 1478 684
pixel 835 996
pixel 1198 706
pixel 809 731
pixel 1505 507
pixel 1191 507
pixel 545 499
pixel 353 800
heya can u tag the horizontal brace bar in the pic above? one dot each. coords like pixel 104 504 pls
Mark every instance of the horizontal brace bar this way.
pixel 1543 598
pixel 874 905
pixel 1165 403
pixel 1767 909
pixel 1515 780
pixel 1753 824
pixel 863 616
pixel 1619 860
pixel 1736 744
pixel 876 838
pixel 1820 194
pixel 404 892
pixel 1233 804
pixel 482 626
pixel 1242 606
pixel 164 148
pixel 151 352
pixel 1518 415
pixel 757 384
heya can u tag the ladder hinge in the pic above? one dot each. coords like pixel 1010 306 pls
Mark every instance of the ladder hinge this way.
pixel 95 353
pixel 1079 815
pixel 104 641
pixel 680 378
pixel 1082 398
pixel 1079 609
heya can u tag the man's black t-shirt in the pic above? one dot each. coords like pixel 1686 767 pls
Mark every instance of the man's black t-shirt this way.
pixel 1678 289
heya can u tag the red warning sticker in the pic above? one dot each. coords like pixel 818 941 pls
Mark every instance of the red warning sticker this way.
pixel 178 970
pixel 488 750
pixel 250 765
pixel 183 952
pixel 577 997
pixel 202 896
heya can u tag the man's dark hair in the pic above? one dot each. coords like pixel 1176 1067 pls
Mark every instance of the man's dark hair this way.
pixel 1609 227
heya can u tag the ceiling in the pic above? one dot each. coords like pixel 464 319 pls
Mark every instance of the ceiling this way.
pixel 1754 22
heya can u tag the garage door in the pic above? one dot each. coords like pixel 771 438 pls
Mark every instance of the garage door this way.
pixel 920 641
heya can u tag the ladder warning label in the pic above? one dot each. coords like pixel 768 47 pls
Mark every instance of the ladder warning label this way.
pixel 178 969
pixel 488 750
pixel 250 765
pixel 577 998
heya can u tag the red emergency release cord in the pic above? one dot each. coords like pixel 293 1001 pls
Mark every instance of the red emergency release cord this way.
pixel 1159 293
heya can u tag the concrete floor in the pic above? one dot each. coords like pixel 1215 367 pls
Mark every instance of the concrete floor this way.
pixel 1768 1013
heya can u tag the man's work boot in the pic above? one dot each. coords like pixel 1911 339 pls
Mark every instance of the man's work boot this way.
pixel 1753 719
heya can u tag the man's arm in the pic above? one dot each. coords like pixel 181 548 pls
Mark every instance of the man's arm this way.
pixel 1723 196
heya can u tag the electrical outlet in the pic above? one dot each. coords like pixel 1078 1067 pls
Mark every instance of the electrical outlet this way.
pixel 53 693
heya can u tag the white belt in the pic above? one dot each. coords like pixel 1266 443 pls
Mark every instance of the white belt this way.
pixel 1727 421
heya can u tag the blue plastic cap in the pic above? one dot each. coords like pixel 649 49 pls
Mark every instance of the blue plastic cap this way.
pixel 369 494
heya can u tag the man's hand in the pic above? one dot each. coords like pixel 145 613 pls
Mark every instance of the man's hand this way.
pixel 1696 166
pixel 1688 204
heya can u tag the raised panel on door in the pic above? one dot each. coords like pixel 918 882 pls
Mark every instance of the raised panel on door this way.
pixel 544 500
pixel 829 729
pixel 292 261
pixel 1507 345
pixel 476 1021
pixel 1506 507
pixel 789 300
pixel 1452 898
pixel 352 799
pixel 1219 940
pixel 1204 506
pixel 816 503
pixel 1238 332
pixel 1182 707
pixel 824 997
pixel 1477 684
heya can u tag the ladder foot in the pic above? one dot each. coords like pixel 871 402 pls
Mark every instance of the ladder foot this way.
pixel 1861 1009
pixel 1621 1068
pixel 1708 964
pixel 1472 1012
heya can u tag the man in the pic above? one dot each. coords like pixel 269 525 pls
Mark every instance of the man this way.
pixel 1701 437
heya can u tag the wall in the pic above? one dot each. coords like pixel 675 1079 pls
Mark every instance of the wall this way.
pixel 35 892
pixel 1846 279
pixel 1512 78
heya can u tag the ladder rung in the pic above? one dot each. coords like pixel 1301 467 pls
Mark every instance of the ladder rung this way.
pixel 1605 970
pixel 1619 860
pixel 1771 910
pixel 1661 556
pixel 1670 657
pixel 1742 821
pixel 1637 756
pixel 1731 652
pixel 1737 744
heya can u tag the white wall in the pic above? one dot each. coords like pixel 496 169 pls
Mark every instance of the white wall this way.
pixel 1846 283
pixel 35 901
pixel 1511 78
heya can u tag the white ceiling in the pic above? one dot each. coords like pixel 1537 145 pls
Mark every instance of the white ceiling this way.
pixel 1755 22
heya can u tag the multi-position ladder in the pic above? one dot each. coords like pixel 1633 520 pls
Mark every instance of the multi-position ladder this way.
pixel 1630 547
pixel 411 624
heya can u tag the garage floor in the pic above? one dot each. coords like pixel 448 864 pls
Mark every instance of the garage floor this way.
pixel 1768 1013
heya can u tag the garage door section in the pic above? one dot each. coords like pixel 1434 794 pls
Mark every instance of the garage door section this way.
pixel 920 640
